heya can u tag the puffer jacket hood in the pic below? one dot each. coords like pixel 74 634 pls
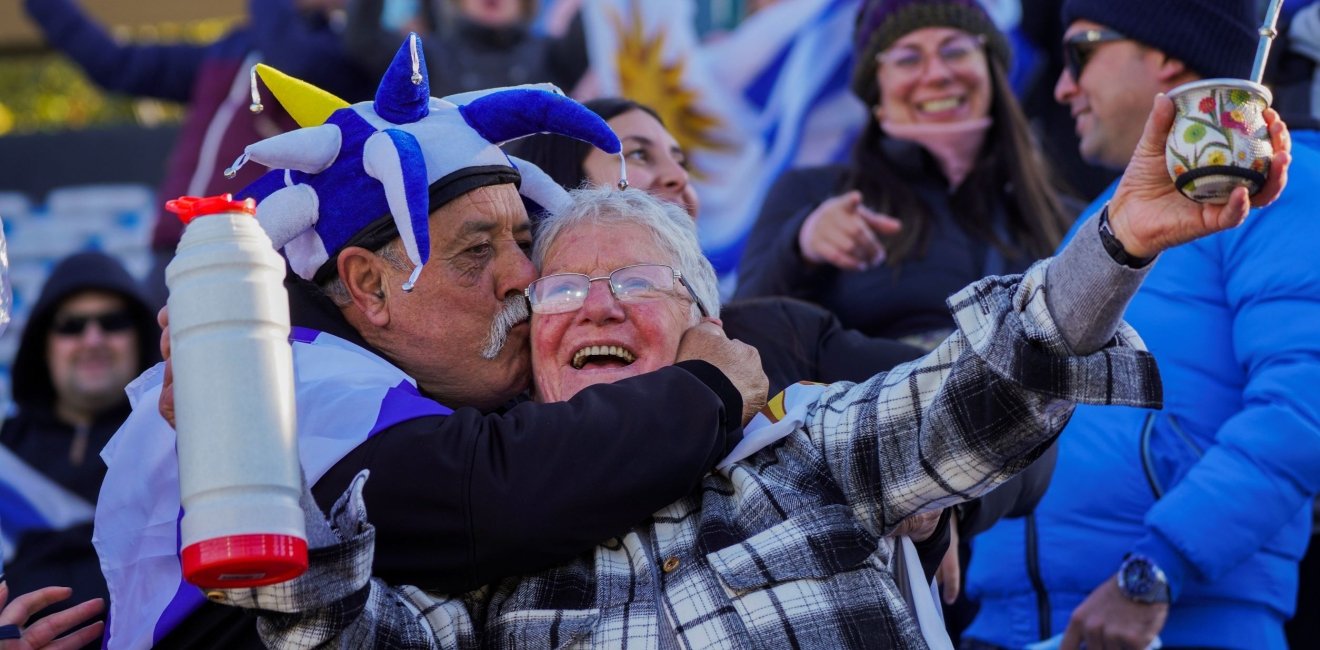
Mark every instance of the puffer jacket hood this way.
pixel 85 271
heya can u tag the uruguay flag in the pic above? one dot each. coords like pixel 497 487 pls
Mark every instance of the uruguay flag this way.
pixel 767 97
pixel 30 502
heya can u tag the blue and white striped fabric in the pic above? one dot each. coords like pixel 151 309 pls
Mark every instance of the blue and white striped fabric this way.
pixel 789 65
pixel 344 395
pixel 31 502
pixel 776 90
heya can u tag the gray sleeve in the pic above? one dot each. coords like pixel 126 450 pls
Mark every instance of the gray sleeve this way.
pixel 1087 292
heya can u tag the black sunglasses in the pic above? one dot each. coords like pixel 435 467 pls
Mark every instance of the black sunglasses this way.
pixel 1078 48
pixel 115 321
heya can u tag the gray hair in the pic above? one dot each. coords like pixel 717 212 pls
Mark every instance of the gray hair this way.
pixel 392 253
pixel 671 229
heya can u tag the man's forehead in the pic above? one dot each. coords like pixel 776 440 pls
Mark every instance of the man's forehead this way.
pixel 90 299
pixel 485 209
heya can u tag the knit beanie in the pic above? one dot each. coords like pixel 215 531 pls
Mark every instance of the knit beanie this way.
pixel 881 22
pixel 1215 38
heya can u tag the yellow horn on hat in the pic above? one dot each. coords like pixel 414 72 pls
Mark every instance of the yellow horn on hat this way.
pixel 307 104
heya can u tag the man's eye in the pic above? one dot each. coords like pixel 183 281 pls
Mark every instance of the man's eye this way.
pixel 483 248
pixel 525 245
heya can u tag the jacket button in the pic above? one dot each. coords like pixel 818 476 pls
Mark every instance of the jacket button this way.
pixel 670 565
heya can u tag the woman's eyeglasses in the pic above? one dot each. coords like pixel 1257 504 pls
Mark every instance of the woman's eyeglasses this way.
pixel 1078 48
pixel 115 321
pixel 910 61
pixel 565 292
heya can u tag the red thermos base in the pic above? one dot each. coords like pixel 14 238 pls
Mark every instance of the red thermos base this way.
pixel 244 561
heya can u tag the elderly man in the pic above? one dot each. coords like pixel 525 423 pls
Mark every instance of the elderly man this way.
pixel 90 332
pixel 783 545
pixel 1186 523
pixel 405 371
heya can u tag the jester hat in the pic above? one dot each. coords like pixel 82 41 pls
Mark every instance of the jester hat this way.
pixel 365 173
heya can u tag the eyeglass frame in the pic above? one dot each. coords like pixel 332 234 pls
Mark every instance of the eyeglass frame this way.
pixel 678 275
pixel 110 322
pixel 978 39
pixel 1075 59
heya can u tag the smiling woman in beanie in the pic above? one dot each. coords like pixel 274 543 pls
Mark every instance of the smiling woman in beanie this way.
pixel 945 185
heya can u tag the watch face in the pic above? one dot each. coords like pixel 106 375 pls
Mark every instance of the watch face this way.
pixel 1142 581
pixel 1137 579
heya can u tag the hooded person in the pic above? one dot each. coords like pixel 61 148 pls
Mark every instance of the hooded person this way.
pixel 402 223
pixel 90 332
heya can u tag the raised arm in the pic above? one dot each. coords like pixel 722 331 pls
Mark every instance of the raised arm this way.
pixel 161 71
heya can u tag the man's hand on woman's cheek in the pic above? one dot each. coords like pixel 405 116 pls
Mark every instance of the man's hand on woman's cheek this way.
pixel 740 362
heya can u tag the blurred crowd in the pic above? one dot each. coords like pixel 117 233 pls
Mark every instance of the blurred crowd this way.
pixel 1173 509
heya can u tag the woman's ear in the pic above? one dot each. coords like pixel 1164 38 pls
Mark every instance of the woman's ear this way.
pixel 363 275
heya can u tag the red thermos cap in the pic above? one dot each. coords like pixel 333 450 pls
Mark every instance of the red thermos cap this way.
pixel 191 207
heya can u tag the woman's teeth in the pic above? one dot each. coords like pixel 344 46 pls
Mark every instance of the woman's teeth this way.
pixel 580 359
pixel 940 105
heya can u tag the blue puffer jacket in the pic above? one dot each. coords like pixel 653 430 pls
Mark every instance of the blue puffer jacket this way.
pixel 1234 321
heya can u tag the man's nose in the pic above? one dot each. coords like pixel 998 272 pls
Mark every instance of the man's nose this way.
pixel 1065 87
pixel 516 272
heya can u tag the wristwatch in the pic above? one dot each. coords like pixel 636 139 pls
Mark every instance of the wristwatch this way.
pixel 1115 247
pixel 1142 581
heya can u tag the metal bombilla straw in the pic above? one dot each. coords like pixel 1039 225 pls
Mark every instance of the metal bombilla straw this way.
pixel 1267 34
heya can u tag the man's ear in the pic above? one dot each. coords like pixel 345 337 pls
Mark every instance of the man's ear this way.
pixel 363 275
pixel 1170 71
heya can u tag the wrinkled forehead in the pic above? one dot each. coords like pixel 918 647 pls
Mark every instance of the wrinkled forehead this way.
pixel 603 247
pixel 493 209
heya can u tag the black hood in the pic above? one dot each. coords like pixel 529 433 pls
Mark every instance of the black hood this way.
pixel 80 272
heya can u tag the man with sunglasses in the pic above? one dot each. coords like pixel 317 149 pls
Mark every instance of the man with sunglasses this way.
pixel 89 334
pixel 1187 523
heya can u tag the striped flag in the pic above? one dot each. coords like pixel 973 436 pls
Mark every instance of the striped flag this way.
pixel 29 501
pixel 767 97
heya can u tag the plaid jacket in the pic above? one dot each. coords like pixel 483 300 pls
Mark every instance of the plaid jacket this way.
pixel 786 548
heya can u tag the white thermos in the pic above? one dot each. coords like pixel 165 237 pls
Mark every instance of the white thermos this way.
pixel 239 479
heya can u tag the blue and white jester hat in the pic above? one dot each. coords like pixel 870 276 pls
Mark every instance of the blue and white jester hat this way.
pixel 363 174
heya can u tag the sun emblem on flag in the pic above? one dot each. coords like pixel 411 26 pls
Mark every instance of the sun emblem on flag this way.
pixel 647 77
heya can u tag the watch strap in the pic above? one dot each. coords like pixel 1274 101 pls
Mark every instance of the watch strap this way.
pixel 1115 247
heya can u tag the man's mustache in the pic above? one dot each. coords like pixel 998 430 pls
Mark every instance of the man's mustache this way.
pixel 513 312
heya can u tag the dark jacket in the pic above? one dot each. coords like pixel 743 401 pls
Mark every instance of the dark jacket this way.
pixel 461 500
pixel 66 557
pixel 884 301
pixel 463 56
pixel 212 80
pixel 799 341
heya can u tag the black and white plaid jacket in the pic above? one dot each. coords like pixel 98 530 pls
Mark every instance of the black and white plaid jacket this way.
pixel 786 548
